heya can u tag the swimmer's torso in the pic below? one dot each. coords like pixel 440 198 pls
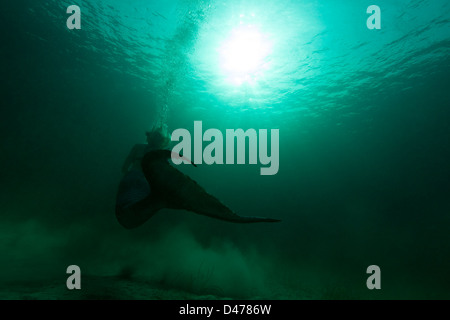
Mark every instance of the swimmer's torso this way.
pixel 139 151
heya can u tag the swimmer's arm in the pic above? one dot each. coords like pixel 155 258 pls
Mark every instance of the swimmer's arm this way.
pixel 170 154
pixel 179 156
pixel 165 154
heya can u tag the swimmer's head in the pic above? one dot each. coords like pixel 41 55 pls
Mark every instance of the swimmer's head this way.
pixel 159 137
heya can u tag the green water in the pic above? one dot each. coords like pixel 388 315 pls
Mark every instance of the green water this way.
pixel 364 128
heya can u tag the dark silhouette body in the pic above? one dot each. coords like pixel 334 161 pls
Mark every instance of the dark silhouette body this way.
pixel 172 189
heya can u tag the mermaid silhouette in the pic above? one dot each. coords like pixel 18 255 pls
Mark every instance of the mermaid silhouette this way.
pixel 150 184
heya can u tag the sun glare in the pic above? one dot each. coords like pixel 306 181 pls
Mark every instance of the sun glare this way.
pixel 244 55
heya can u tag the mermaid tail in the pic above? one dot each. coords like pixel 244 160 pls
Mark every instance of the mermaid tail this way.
pixel 133 188
pixel 134 201
pixel 175 190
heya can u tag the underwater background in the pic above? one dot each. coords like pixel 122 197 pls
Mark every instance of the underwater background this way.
pixel 364 175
